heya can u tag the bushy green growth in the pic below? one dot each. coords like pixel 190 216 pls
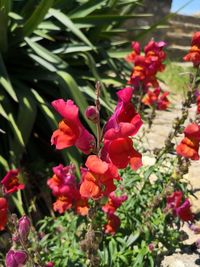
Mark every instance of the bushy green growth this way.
pixel 50 50
pixel 144 223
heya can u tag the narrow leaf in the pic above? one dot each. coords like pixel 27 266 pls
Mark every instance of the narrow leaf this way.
pixel 37 16
pixel 65 20
pixel 5 81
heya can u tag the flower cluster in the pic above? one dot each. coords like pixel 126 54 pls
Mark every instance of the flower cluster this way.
pixel 146 66
pixel 66 190
pixel 114 150
pixel 155 98
pixel 194 53
pixel 9 184
pixel 15 256
pixel 180 208
pixel 189 146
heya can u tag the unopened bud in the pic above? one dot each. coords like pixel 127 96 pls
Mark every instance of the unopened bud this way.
pixel 16 258
pixel 49 264
pixel 92 114
pixel 24 226
pixel 151 247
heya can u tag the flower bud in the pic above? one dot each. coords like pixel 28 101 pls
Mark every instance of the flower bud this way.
pixel 49 264
pixel 24 226
pixel 151 247
pixel 16 258
pixel 92 114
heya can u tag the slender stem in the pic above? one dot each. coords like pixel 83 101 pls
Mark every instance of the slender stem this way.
pixel 97 102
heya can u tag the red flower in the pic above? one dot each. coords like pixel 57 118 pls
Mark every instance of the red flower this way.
pixel 97 179
pixel 189 146
pixel 153 98
pixel 70 131
pixel 174 200
pixel 113 203
pixel 136 51
pixel 183 211
pixel 3 213
pixel 122 153
pixel 11 182
pixel 163 101
pixel 147 66
pixel 112 224
pixel 194 53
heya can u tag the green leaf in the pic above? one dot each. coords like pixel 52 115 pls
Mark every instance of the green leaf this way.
pixel 4 163
pixel 25 118
pixel 108 18
pixel 45 109
pixel 119 54
pixel 16 131
pixel 43 63
pixel 65 20
pixel 5 6
pixel 3 112
pixel 86 9
pixel 5 81
pixel 46 54
pixel 132 238
pixel 37 16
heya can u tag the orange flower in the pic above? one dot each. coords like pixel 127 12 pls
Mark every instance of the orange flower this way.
pixel 97 179
pixel 81 206
pixel 189 146
pixel 194 53
pixel 70 131
pixel 62 204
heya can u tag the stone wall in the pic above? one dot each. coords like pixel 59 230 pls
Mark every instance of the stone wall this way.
pixel 158 8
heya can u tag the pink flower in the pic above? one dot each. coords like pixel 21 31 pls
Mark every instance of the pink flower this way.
pixel 125 122
pixel 63 181
pixel 70 131
pixel 11 182
pixel 92 114
pixel 16 258
pixel 24 226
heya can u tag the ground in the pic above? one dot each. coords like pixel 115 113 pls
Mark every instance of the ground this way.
pixel 155 139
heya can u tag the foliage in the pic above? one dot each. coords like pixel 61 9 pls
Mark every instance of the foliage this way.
pixel 141 225
pixel 48 51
